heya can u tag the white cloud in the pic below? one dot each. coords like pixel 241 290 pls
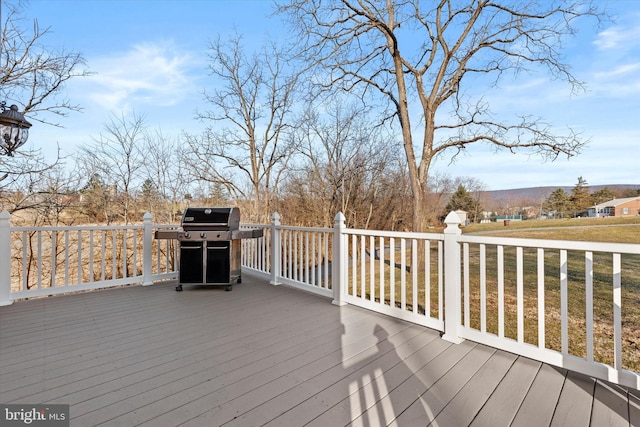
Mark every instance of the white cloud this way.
pixel 620 81
pixel 615 67
pixel 150 74
pixel 609 39
pixel 618 37
pixel 621 70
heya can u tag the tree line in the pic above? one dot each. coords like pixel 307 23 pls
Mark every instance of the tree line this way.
pixel 348 116
pixel 130 169
pixel 576 203
pixel 479 205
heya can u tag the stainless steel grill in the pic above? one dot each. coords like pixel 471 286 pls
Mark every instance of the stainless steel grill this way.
pixel 210 246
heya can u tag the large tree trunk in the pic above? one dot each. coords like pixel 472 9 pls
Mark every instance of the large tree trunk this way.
pixel 419 220
pixel 418 183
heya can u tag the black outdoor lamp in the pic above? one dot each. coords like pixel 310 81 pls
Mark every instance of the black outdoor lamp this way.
pixel 14 129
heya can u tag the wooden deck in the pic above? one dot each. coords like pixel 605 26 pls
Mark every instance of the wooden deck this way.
pixel 264 355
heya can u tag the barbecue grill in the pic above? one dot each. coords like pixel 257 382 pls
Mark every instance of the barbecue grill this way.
pixel 210 246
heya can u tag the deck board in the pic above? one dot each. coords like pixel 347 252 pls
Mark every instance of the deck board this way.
pixel 326 392
pixel 538 406
pixel 501 407
pixel 418 397
pixel 265 355
pixel 609 408
pixel 576 401
pixel 634 407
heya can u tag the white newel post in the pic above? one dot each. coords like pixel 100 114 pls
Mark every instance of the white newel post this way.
pixel 337 268
pixel 452 294
pixel 276 250
pixel 147 245
pixel 5 259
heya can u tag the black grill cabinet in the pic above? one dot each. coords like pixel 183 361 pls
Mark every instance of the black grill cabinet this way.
pixel 210 246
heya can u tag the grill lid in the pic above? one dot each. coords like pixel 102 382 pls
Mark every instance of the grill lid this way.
pixel 211 218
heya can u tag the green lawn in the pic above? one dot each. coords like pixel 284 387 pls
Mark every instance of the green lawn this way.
pixel 616 230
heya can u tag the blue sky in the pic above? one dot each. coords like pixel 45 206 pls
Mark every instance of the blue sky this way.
pixel 149 56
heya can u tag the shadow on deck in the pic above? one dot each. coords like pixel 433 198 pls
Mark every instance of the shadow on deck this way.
pixel 264 355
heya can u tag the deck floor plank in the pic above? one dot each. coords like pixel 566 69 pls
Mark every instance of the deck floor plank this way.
pixel 610 406
pixel 575 402
pixel 272 378
pixel 265 355
pixel 95 370
pixel 539 404
pixel 194 362
pixel 373 369
pixel 422 388
pixel 634 407
pixel 402 384
pixel 432 397
pixel 221 375
pixel 501 407
pixel 325 366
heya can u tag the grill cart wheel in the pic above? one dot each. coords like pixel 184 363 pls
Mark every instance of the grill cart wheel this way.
pixel 179 288
pixel 228 288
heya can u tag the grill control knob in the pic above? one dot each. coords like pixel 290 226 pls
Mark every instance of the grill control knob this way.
pixel 203 235
pixel 187 235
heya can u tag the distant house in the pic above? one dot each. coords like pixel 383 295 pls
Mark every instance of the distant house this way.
pixel 629 206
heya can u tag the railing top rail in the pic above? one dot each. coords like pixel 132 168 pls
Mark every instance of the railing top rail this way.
pixel 79 228
pixel 88 227
pixel 396 234
pixel 627 248
pixel 309 229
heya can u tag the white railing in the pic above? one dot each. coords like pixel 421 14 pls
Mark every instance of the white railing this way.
pixel 295 256
pixel 569 304
pixel 399 274
pixel 41 261
pixel 566 303
pixel 256 253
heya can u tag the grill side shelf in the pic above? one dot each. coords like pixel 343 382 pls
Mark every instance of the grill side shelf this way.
pixel 250 233
pixel 166 234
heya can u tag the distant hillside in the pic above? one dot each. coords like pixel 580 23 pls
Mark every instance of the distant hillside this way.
pixel 539 193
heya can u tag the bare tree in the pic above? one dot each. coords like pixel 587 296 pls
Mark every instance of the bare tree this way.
pixel 31 184
pixel 32 75
pixel 245 147
pixel 54 197
pixel 164 167
pixel 418 57
pixel 346 163
pixel 116 157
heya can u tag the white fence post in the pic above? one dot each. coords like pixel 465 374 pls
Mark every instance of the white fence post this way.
pixel 276 250
pixel 147 252
pixel 338 276
pixel 452 283
pixel 5 259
